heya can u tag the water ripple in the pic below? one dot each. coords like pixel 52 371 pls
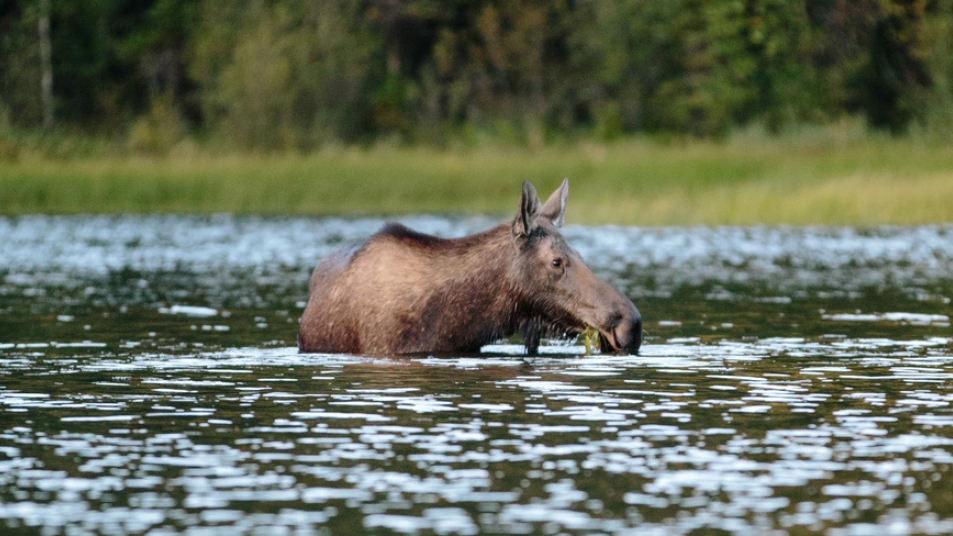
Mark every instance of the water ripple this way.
pixel 792 381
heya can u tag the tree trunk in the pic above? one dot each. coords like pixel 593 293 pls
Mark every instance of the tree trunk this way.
pixel 46 65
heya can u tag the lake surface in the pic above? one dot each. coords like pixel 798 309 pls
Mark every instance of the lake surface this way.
pixel 793 381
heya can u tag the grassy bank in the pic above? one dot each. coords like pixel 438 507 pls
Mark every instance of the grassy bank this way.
pixel 744 180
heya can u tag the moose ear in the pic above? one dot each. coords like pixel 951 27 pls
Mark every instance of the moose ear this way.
pixel 555 208
pixel 525 220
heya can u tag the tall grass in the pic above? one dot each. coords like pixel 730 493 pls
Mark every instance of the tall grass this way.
pixel 812 178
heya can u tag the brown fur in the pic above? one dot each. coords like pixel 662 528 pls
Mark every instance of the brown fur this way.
pixel 405 292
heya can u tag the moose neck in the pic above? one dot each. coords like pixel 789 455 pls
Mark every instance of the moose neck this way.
pixel 483 290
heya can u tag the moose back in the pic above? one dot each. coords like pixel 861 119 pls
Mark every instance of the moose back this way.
pixel 404 292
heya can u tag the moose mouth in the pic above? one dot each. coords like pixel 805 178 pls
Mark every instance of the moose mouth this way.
pixel 616 337
pixel 616 334
pixel 609 341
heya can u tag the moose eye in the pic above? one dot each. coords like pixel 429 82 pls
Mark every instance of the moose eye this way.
pixel 557 263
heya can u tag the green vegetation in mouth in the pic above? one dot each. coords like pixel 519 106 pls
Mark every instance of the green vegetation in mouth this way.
pixel 592 339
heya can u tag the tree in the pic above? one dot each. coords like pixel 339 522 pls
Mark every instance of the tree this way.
pixel 292 74
pixel 894 79
pixel 46 64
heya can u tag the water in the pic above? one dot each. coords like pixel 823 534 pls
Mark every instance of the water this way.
pixel 793 381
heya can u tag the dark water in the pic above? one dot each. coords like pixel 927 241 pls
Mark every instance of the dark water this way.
pixel 794 381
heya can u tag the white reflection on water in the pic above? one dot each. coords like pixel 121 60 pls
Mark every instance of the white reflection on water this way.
pixel 43 252
pixel 119 421
pixel 764 436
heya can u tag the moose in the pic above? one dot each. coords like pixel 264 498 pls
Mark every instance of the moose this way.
pixel 405 292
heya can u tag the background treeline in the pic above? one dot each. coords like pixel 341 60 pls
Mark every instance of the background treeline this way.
pixel 301 74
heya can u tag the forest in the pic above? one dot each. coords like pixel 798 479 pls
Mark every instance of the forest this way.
pixel 299 75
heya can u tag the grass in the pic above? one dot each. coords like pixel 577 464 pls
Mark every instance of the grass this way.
pixel 746 179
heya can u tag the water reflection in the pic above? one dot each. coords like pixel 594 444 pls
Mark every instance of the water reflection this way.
pixel 148 386
pixel 742 437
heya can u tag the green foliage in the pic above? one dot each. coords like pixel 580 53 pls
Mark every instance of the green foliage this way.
pixel 20 65
pixel 291 74
pixel 622 53
pixel 157 132
pixel 938 41
pixel 895 75
pixel 9 147
pixel 296 75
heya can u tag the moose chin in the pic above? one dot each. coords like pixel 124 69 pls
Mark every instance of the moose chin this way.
pixel 404 292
